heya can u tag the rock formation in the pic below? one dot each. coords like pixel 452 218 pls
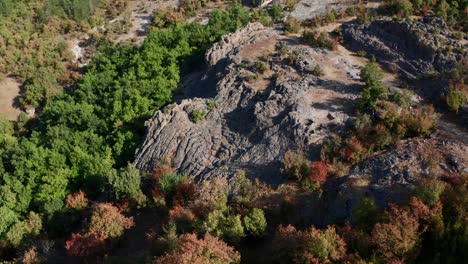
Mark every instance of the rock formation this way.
pixel 241 123
pixel 415 49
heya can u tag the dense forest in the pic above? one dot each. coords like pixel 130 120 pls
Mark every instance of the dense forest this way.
pixel 69 191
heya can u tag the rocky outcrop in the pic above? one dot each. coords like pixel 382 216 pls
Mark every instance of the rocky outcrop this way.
pixel 390 176
pixel 234 124
pixel 414 49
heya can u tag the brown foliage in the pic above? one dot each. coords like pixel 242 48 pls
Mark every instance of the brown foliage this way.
pixel 85 245
pixel 157 173
pixel 184 192
pixel 77 200
pixel 191 250
pixel 209 196
pixel 310 246
pixel 398 237
pixel 108 222
pixel 353 151
pixel 318 172
pixel 183 217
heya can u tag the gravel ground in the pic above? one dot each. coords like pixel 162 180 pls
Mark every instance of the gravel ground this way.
pixel 307 9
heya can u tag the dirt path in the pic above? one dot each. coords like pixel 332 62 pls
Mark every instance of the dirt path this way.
pixel 9 91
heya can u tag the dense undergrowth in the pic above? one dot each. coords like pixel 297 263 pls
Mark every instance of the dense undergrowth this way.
pixel 81 135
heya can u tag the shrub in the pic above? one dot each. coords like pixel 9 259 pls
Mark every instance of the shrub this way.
pixel 168 181
pixel 295 166
pixel 229 227
pixel 276 13
pixel 182 217
pixel 362 53
pixel 85 245
pixel 20 230
pixel 211 105
pixel 366 213
pixel 353 151
pixel 456 99
pixel 263 17
pixel 255 222
pixel 198 115
pixel 292 26
pixel 189 249
pixel 324 245
pixel 107 221
pixel 317 71
pixel 400 8
pixel 318 172
pixel 319 39
pixel 77 200
pixel 419 122
pixel 396 238
pixel 184 192
pixel 429 191
pixel 211 195
pixel 310 246
pixel 374 89
pixel 124 184
pixel 351 11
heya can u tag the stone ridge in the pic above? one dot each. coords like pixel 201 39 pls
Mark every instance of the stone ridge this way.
pixel 244 128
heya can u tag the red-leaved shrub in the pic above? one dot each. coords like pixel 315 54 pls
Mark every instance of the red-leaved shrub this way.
pixel 108 222
pixel 77 200
pixel 85 245
pixel 318 172
pixel 190 250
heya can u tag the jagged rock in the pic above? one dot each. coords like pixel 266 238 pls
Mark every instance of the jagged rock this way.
pixel 412 48
pixel 390 176
pixel 253 123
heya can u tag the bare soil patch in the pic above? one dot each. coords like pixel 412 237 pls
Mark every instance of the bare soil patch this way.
pixel 9 91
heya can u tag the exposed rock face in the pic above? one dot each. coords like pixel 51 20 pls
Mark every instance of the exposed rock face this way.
pixel 307 9
pixel 389 177
pixel 249 125
pixel 412 48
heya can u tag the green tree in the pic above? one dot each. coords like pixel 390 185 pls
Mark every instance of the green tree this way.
pixel 125 183
pixel 374 89
pixel 255 222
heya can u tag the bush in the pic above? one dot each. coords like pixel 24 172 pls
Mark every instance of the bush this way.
pixel 182 217
pixel 400 8
pixel 198 115
pixel 456 99
pixel 189 249
pixel 255 222
pixel 77 200
pixel 124 184
pixel 85 245
pixel 366 214
pixel 419 122
pixel 317 71
pixel 27 228
pixel 276 13
pixel 429 191
pixel 319 39
pixel 318 172
pixel 229 227
pixel 295 166
pixel 310 246
pixel 292 26
pixel 168 181
pixel 396 238
pixel 107 221
pixel 374 89
pixel 210 196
